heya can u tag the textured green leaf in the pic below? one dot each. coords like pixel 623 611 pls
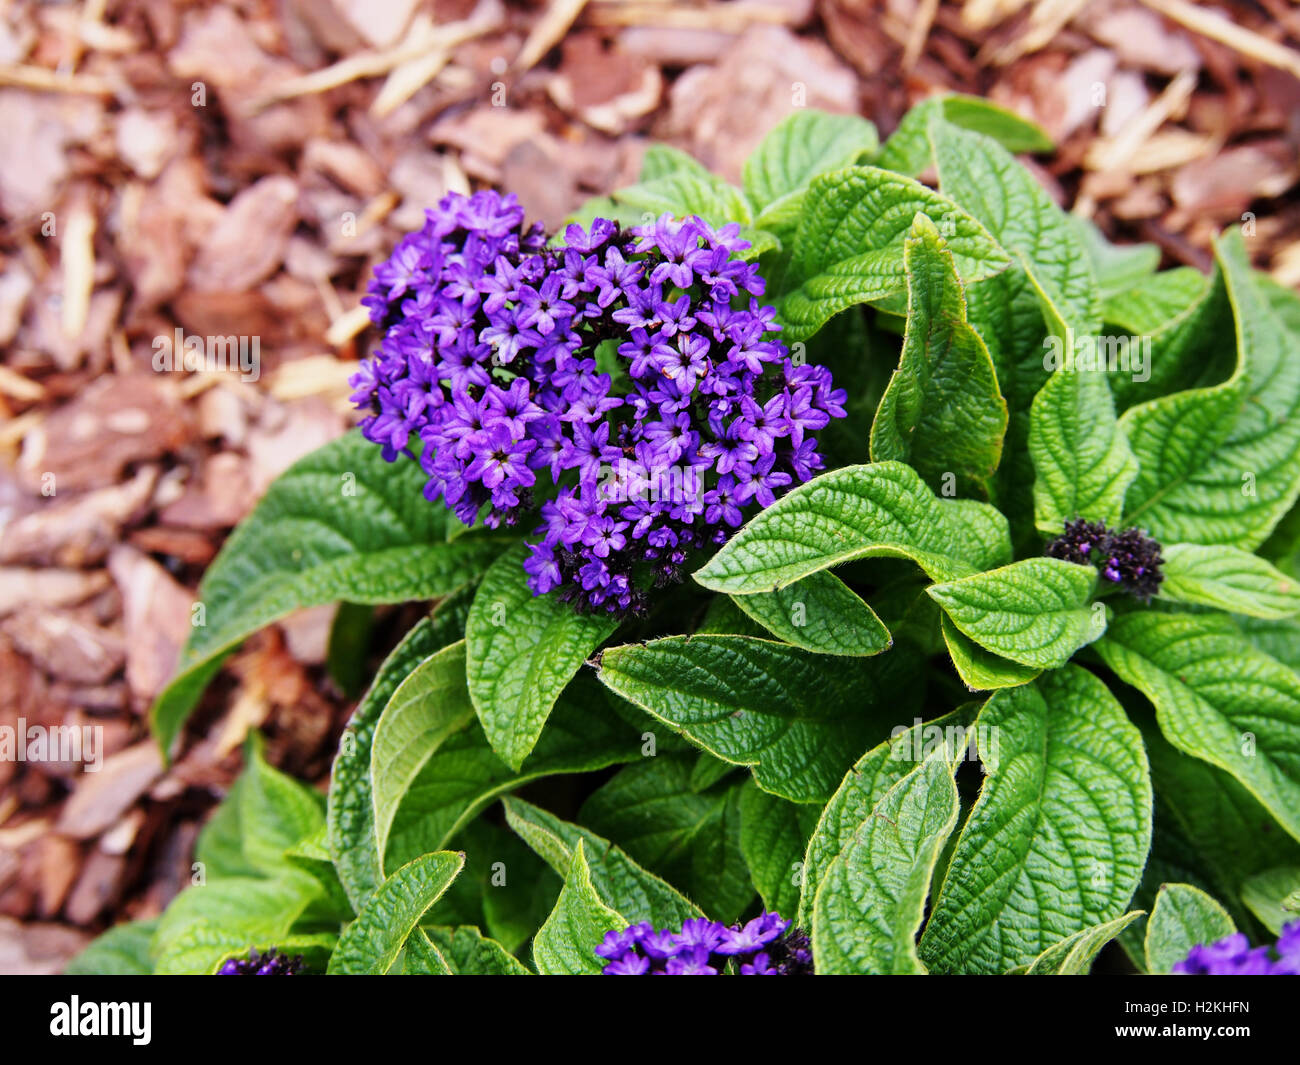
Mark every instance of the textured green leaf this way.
pixel 566 944
pixel 371 943
pixel 849 245
pixel 908 150
pixel 350 803
pixel 871 777
pixel 687 191
pixel 431 704
pixel 942 411
pixel 1057 840
pixel 981 669
pixel 464 774
pixel 121 951
pixel 1082 461
pixel 1146 305
pixel 1274 896
pixel 652 810
pixel 522 651
pixel 1074 955
pixel 207 923
pixel 1222 465
pixel 869 905
pixel 1117 267
pixel 1278 639
pixel 1183 917
pixel 773 837
pixel 880 509
pixel 819 613
pixel 275 811
pixel 1215 834
pixel 339 524
pixel 986 180
pixel 798 719
pixel 1049 287
pixel 468 952
pixel 799 147
pixel 1218 698
pixel 1035 612
pixel 620 883
pixel 1228 578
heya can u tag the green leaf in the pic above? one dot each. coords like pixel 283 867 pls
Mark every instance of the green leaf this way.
pixel 371 943
pixel 942 411
pixel 986 180
pixel 207 923
pixel 522 651
pixel 350 803
pixel 566 944
pixel 880 509
pixel 1149 304
pixel 1217 835
pixel 799 147
pixel 908 150
pixel 339 524
pixel 620 883
pixel 275 811
pixel 121 951
pixel 652 810
pixel 1277 639
pixel 869 905
pixel 1218 698
pixel 798 719
pixel 464 774
pixel 1082 461
pixel 431 704
pixel 1222 465
pixel 468 952
pixel 1183 917
pixel 819 613
pixel 1074 955
pixel 1034 612
pixel 1057 840
pixel 872 776
pixel 980 669
pixel 774 834
pixel 1228 578
pixel 849 245
pixel 1274 896
pixel 345 660
pixel 1118 267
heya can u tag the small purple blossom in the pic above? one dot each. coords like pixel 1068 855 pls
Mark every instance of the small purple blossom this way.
pixel 272 963
pixel 764 946
pixel 1234 956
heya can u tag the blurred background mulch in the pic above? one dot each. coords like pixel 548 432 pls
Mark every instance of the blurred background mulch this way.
pixel 237 168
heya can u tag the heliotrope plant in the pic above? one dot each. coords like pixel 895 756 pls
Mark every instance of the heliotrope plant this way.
pixel 904 577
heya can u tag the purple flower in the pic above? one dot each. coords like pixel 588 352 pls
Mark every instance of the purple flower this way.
pixel 617 349
pixel 272 963
pixel 754 936
pixel 765 946
pixel 1234 956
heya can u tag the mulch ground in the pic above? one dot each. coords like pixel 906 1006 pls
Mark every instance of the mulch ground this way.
pixel 237 169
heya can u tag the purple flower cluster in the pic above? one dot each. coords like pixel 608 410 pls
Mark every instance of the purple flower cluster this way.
pixel 272 963
pixel 1127 557
pixel 765 946
pixel 1234 956
pixel 635 367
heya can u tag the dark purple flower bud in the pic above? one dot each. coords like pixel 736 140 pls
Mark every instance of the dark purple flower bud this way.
pixel 1128 557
